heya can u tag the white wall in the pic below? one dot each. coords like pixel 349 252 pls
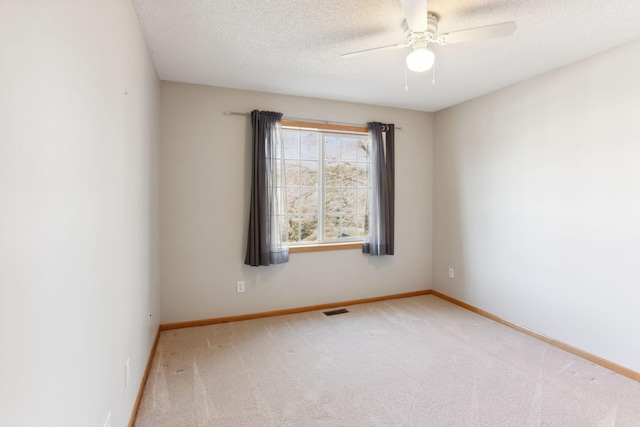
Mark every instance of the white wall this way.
pixel 79 100
pixel 205 175
pixel 537 204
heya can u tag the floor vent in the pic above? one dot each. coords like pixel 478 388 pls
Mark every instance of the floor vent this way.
pixel 334 312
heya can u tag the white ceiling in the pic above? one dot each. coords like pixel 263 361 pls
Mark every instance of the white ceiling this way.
pixel 293 47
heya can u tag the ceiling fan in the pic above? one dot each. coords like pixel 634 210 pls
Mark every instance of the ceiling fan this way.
pixel 420 29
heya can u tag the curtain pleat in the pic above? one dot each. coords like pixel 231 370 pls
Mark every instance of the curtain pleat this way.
pixel 380 240
pixel 267 235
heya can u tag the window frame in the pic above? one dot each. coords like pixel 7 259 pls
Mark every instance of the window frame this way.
pixel 355 243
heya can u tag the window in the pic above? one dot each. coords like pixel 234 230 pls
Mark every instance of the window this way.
pixel 327 185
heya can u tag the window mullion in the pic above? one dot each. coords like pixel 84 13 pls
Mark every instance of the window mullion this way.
pixel 321 188
pixel 341 189
pixel 299 213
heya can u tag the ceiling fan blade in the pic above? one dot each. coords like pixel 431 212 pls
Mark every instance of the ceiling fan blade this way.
pixel 415 12
pixel 480 33
pixel 391 46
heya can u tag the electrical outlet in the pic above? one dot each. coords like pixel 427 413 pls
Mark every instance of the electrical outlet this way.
pixel 451 273
pixel 240 286
pixel 127 369
pixel 107 422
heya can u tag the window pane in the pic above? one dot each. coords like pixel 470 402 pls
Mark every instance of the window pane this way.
pixel 309 174
pixel 349 201
pixel 309 146
pixel 309 229
pixel 292 177
pixel 291 141
pixel 331 226
pixel 364 148
pixel 348 226
pixel 349 175
pixel 349 149
pixel 363 176
pixel 362 222
pixel 332 175
pixel 293 200
pixel 294 229
pixel 309 201
pixel 363 200
pixel 331 147
pixel 332 201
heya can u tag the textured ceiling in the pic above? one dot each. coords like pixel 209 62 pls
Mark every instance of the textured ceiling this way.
pixel 293 47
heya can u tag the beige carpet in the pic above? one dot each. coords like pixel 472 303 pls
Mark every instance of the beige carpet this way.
pixel 410 362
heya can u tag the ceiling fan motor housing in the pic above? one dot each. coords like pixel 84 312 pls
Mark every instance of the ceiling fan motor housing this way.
pixel 432 23
pixel 419 39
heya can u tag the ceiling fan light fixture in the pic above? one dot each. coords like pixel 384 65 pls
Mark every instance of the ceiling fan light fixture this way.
pixel 420 59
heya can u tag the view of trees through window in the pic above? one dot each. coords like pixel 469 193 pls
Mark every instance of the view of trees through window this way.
pixel 326 178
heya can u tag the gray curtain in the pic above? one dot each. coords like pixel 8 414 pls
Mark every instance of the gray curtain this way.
pixel 267 239
pixel 382 191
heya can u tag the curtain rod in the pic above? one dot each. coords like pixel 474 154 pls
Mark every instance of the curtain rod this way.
pixel 300 119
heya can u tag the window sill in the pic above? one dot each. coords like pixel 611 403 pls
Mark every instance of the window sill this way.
pixel 325 247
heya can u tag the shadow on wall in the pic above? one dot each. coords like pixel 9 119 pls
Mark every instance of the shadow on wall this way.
pixel 380 262
pixel 449 241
